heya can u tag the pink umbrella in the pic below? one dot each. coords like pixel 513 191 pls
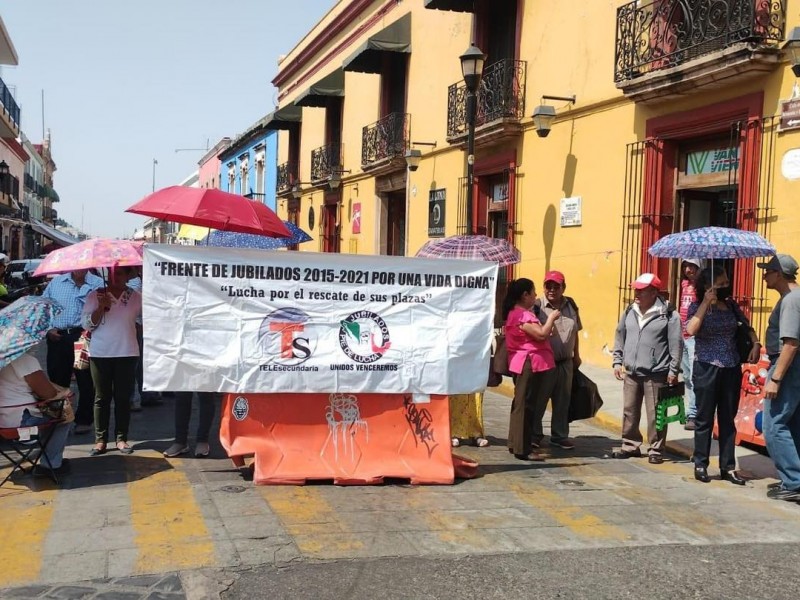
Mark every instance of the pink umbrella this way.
pixel 91 254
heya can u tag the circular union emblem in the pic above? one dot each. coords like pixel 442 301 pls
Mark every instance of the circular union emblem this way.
pixel 240 408
pixel 364 336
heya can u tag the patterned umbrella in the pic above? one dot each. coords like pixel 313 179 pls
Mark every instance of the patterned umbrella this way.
pixel 231 239
pixel 24 324
pixel 471 247
pixel 92 254
pixel 712 242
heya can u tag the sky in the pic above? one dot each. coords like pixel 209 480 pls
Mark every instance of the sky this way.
pixel 129 81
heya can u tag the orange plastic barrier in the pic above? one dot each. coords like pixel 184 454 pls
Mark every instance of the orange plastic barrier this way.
pixel 751 403
pixel 352 439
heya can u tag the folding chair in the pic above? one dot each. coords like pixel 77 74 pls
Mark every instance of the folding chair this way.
pixel 24 447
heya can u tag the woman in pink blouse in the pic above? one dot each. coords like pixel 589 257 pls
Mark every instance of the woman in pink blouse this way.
pixel 530 358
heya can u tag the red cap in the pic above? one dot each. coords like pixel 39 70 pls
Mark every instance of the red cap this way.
pixel 556 276
pixel 646 280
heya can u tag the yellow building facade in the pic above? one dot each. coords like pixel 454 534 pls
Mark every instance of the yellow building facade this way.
pixel 682 117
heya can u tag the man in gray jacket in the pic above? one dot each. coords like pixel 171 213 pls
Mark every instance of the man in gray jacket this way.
pixel 647 355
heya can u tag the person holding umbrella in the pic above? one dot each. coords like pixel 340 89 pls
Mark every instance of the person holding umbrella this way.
pixel 717 374
pixel 111 314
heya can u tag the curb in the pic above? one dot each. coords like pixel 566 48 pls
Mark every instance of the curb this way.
pixel 603 420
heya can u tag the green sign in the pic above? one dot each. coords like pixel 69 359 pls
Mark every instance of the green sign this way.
pixel 720 160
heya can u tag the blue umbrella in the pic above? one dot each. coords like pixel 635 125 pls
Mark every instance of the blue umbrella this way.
pixel 232 239
pixel 712 242
pixel 24 324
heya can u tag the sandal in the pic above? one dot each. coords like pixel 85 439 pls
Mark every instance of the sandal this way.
pixel 98 450
pixel 481 442
pixel 124 448
pixel 455 442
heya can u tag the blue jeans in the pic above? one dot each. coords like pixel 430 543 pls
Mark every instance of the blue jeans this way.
pixel 54 452
pixel 782 427
pixel 687 364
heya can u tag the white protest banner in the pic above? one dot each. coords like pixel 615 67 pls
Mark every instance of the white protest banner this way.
pixel 253 321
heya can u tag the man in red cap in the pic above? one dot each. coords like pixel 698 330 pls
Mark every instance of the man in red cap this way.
pixel 647 356
pixel 564 341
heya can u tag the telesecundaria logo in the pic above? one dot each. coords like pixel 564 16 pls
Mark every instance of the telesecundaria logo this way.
pixel 241 408
pixel 364 336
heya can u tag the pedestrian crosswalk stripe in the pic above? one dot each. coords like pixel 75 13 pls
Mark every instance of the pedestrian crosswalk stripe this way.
pixel 313 523
pixel 170 531
pixel 25 518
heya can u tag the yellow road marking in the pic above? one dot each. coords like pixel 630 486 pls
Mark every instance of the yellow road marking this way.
pixel 25 518
pixel 575 518
pixel 310 519
pixel 171 533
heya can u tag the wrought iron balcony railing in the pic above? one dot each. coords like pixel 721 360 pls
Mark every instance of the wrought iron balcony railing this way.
pixel 501 95
pixel 287 175
pixel 324 161
pixel 9 104
pixel 658 34
pixel 385 139
pixel 256 196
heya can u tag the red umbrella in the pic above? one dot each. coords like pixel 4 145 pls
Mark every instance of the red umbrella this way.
pixel 211 208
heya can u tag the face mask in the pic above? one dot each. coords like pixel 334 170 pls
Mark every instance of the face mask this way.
pixel 723 293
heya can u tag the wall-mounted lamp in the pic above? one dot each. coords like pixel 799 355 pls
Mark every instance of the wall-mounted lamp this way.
pixel 414 156
pixel 544 114
pixel 297 189
pixel 792 48
pixel 335 180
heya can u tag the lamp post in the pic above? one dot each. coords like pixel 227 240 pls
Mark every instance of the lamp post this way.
pixel 155 162
pixel 472 70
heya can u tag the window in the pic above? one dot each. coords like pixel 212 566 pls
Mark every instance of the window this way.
pixel 260 174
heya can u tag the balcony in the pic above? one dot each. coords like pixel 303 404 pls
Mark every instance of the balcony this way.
pixel 324 162
pixel 500 106
pixel 667 48
pixel 10 110
pixel 287 175
pixel 384 143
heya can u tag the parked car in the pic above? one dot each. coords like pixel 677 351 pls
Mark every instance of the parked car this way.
pixel 19 273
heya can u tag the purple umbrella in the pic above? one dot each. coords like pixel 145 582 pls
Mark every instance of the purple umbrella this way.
pixel 712 242
pixel 471 247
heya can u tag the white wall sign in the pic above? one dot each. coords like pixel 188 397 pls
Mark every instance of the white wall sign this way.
pixel 249 321
pixel 571 212
pixel 790 165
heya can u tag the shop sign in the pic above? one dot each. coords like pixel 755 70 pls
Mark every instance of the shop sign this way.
pixel 571 212
pixel 717 160
pixel 790 115
pixel 436 205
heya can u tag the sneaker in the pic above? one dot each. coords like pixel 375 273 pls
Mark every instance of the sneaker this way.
pixel 781 493
pixel 176 450
pixel 536 444
pixel 201 449
pixel 691 425
pixel 566 443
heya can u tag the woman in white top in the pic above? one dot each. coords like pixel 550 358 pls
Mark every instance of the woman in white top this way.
pixel 111 313
pixel 23 385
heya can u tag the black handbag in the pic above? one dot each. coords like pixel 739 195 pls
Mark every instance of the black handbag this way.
pixel 744 344
pixel 585 400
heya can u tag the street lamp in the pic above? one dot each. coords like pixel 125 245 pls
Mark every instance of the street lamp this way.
pixel 335 179
pixel 413 156
pixel 792 47
pixel 544 114
pixel 472 70
pixel 155 162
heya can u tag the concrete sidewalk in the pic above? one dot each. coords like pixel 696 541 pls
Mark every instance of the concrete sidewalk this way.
pixel 753 464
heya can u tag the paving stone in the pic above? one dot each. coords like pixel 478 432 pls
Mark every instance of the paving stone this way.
pixel 30 591
pixel 164 596
pixel 118 595
pixel 170 583
pixel 71 592
pixel 143 581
